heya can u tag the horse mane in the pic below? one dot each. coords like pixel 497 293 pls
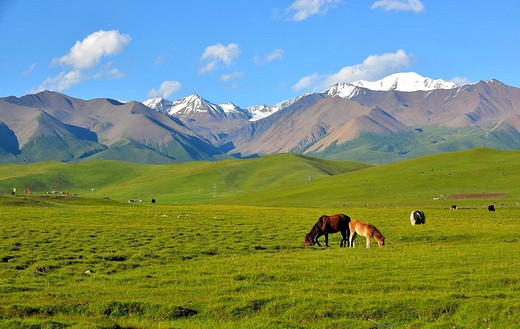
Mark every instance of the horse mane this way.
pixel 315 230
pixel 376 233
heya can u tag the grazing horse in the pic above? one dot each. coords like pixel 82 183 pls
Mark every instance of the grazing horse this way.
pixel 366 230
pixel 329 224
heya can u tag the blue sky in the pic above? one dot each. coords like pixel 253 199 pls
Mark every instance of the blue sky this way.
pixel 248 52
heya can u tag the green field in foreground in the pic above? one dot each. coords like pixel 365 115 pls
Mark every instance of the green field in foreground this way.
pixel 237 260
pixel 79 263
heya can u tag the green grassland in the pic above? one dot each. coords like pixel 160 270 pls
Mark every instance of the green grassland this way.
pixel 193 260
pixel 421 141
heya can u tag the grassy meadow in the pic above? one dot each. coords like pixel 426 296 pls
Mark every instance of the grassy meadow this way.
pixel 236 259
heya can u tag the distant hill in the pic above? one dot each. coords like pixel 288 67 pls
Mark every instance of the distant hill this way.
pixel 283 180
pixel 485 176
pixel 182 182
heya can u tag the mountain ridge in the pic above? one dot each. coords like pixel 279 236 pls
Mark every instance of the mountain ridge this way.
pixel 343 122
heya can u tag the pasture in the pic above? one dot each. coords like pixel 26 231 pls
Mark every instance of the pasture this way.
pixel 90 262
pixel 101 264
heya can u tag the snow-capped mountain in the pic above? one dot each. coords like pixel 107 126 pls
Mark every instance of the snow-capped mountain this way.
pixel 261 111
pixel 193 105
pixel 384 125
pixel 409 81
pixel 159 104
pixel 344 90
pixel 406 82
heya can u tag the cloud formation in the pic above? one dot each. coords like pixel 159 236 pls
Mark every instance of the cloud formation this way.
pixel 62 81
pixel 29 70
pixel 166 89
pixel 461 81
pixel 304 9
pixel 83 57
pixel 215 55
pixel 374 67
pixel 87 53
pixel 273 55
pixel 231 77
pixel 405 5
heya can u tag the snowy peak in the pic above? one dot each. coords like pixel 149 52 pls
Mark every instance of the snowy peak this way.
pixel 409 81
pixel 194 105
pixel 261 111
pixel 344 90
pixel 159 104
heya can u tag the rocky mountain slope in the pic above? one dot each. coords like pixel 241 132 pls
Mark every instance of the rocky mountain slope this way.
pixel 53 126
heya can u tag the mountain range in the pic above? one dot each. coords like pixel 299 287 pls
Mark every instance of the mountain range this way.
pixel 401 116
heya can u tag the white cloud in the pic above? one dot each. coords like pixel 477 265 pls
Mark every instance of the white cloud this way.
pixel 374 67
pixel 405 5
pixel 85 56
pixel 87 53
pixel 107 72
pixel 216 54
pixel 61 82
pixel 275 54
pixel 231 77
pixel 304 9
pixel 166 89
pixel 29 70
pixel 461 81
pixel 308 82
pixel 159 60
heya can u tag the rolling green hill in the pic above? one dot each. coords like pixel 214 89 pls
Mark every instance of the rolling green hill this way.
pixel 432 180
pixel 282 180
pixel 173 183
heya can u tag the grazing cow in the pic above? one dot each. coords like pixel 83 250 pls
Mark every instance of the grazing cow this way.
pixel 454 207
pixel 491 208
pixel 417 217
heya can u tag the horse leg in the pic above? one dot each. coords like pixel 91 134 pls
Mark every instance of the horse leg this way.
pixel 368 241
pixel 343 240
pixel 327 239
pixel 351 240
pixel 317 237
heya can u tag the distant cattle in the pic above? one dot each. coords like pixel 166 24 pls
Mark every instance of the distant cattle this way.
pixel 417 217
pixel 454 207
pixel 491 208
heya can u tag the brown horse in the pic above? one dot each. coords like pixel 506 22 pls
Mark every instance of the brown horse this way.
pixel 329 224
pixel 366 230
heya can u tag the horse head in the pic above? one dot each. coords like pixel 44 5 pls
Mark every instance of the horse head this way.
pixel 308 240
pixel 381 241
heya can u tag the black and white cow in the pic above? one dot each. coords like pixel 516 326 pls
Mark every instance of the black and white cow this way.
pixel 417 217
